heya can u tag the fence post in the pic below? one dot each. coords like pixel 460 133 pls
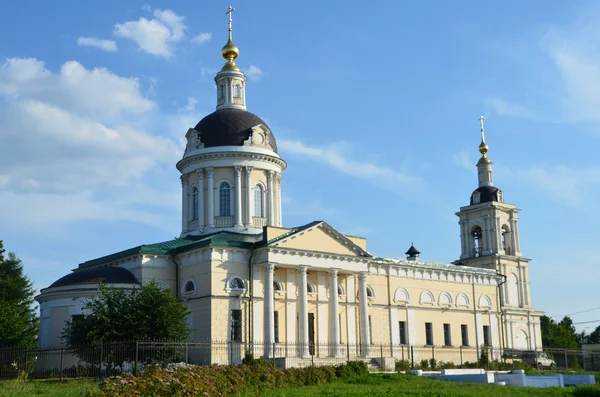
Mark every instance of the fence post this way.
pixel 100 363
pixel 137 359
pixel 187 352
pixel 461 357
pixel 566 360
pixel 403 363
pixel 61 363
pixel 348 350
pixel 412 356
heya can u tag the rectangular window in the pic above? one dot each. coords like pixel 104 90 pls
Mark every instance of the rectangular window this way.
pixel 486 335
pixel 402 327
pixel 236 325
pixel 428 334
pixel 464 330
pixel 447 336
pixel 276 325
pixel 370 331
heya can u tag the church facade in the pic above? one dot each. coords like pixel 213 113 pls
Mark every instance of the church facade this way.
pixel 247 279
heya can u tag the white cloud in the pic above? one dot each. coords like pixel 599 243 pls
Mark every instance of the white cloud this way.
pixel 464 160
pixel 106 45
pixel 202 38
pixel 567 186
pixel 253 72
pixel 76 152
pixel 339 157
pixel 507 108
pixel 155 36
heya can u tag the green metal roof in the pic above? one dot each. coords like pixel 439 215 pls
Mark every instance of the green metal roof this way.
pixel 182 244
pixel 437 266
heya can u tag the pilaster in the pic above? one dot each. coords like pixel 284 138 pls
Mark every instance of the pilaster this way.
pixel 365 337
pixel 238 196
pixel 201 206
pixel 210 197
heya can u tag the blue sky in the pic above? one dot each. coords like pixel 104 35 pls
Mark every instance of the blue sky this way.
pixel 374 107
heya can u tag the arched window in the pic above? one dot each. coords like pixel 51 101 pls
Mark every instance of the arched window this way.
pixel 236 283
pixel 194 214
pixel 340 290
pixel 370 292
pixel 222 91
pixel 189 286
pixel 477 241
pixel 224 199
pixel 259 201
pixel 506 246
pixel 237 91
pixel 277 286
pixel 310 289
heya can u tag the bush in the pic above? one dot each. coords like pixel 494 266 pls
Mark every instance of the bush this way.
pixel 214 380
pixel 402 365
pixel 433 363
pixel 424 364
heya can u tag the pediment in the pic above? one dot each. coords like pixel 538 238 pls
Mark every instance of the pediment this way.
pixel 319 237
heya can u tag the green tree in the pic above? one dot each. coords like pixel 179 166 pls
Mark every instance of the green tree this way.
pixel 18 319
pixel 115 315
pixel 560 335
pixel 594 336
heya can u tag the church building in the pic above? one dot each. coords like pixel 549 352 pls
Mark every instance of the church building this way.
pixel 247 279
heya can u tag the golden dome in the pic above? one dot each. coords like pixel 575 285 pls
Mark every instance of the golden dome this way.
pixel 229 50
pixel 483 148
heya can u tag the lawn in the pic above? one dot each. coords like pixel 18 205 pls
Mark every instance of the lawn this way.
pixel 373 385
pixel 391 385
pixel 51 388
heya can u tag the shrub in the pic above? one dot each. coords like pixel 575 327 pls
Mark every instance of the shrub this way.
pixel 402 365
pixel 424 364
pixel 215 380
pixel 433 363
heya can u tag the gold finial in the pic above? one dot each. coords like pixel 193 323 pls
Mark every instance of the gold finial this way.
pixel 229 50
pixel 483 148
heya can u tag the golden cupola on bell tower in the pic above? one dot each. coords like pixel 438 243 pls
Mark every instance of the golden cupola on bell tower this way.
pixel 230 81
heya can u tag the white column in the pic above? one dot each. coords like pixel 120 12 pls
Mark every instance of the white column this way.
pixel 201 205
pixel 269 316
pixel 210 198
pixel 248 221
pixel 185 217
pixel 238 196
pixel 292 313
pixel 365 337
pixel 275 201
pixel 351 312
pixel 279 220
pixel 270 198
pixel 303 311
pixel 334 313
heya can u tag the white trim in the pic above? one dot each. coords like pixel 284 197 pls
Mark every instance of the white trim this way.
pixel 426 293
pixel 264 207
pixel 184 284
pixel 405 299
pixel 238 290
pixel 447 295
pixel 485 302
pixel 463 296
pixel 369 288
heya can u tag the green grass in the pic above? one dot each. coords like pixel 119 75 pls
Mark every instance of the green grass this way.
pixel 52 388
pixel 391 385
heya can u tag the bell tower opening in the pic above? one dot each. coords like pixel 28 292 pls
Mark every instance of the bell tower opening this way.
pixel 477 239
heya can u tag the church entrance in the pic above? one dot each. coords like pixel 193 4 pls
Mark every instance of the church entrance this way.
pixel 311 333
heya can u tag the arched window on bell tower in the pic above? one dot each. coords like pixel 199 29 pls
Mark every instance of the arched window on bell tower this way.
pixel 237 91
pixel 222 91
pixel 506 240
pixel 477 237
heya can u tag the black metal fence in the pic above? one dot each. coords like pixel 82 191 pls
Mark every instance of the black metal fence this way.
pixel 106 359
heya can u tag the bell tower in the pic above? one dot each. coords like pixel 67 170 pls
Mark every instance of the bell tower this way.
pixel 489 230
pixel 489 233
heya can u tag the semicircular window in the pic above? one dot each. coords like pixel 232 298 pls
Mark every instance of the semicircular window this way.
pixel 236 283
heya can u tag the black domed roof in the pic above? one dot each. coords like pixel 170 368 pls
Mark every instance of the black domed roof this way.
pixel 108 275
pixel 229 127
pixel 486 194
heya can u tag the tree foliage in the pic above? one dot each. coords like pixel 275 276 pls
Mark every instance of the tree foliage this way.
pixel 147 312
pixel 560 335
pixel 18 319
